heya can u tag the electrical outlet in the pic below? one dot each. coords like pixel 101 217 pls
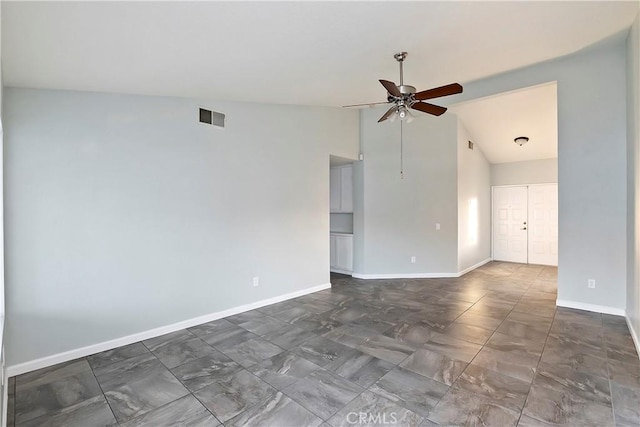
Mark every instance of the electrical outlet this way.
pixel 591 283
pixel 437 226
pixel 413 260
pixel 256 281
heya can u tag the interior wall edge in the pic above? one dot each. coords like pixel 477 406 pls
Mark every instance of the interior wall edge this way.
pixel 634 333
pixel 473 267
pixel 33 365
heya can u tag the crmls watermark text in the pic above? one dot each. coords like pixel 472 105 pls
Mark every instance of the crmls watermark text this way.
pixel 371 418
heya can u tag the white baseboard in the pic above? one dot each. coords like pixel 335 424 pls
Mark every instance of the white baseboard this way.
pixel 634 335
pixel 339 271
pixel 54 359
pixel 404 276
pixel 591 307
pixel 420 275
pixel 473 267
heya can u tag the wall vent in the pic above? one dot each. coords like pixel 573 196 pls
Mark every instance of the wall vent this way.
pixel 211 118
pixel 470 145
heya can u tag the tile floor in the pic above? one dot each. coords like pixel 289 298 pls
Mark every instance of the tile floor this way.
pixel 489 348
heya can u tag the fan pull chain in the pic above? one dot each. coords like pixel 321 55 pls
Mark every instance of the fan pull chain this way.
pixel 401 153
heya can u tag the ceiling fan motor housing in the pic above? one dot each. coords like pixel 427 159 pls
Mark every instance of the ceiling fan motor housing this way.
pixel 407 90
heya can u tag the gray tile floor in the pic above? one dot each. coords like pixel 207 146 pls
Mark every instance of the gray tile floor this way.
pixel 489 348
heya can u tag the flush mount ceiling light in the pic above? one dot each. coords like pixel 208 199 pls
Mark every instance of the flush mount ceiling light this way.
pixel 521 140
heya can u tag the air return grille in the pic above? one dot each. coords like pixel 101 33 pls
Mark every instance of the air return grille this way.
pixel 211 118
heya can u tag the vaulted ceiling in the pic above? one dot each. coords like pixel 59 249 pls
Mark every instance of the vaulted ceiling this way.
pixel 494 122
pixel 313 53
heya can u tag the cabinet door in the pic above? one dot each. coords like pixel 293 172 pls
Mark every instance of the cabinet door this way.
pixel 334 190
pixel 346 189
pixel 344 253
pixel 332 251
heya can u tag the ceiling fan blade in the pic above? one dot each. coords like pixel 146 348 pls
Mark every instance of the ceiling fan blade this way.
pixel 437 92
pixel 391 88
pixel 436 110
pixel 365 105
pixel 388 114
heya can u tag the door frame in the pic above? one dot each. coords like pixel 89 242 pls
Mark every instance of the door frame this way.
pixel 557 219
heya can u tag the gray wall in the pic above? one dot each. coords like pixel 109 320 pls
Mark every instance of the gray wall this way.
pixel 474 203
pixel 592 147
pixel 4 387
pixel 124 214
pixel 358 214
pixel 633 177
pixel 400 214
pixel 543 171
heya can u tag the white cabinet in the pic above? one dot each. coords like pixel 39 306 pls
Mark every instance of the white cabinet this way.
pixel 341 248
pixel 332 250
pixel 341 189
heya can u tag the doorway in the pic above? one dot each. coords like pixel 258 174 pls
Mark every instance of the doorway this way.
pixel 525 224
pixel 340 215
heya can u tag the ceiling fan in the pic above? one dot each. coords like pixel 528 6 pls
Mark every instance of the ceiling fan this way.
pixel 403 97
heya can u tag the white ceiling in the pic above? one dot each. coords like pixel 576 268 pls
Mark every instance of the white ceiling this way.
pixel 313 53
pixel 494 122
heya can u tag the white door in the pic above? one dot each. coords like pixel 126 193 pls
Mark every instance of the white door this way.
pixel 543 224
pixel 510 224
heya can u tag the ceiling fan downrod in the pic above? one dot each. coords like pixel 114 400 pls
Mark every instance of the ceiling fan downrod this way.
pixel 400 58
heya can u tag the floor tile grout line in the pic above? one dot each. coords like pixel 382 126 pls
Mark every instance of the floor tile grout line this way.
pixel 347 404
pixel 496 329
pixel 606 354
pixel 441 397
pixel 468 364
pixel 204 406
pixel 300 379
pixel 416 373
pixel 180 381
pixel 537 366
pixel 483 346
pixel 104 395
pixel 324 368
